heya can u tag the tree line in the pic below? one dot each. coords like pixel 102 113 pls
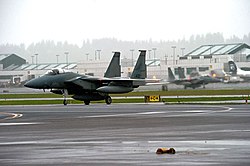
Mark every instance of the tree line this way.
pixel 48 50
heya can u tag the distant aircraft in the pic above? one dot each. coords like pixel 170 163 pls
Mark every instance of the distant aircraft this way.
pixel 235 70
pixel 192 82
pixel 226 78
pixel 89 88
pixel 218 73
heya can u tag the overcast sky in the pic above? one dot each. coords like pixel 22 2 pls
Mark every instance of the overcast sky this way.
pixel 27 21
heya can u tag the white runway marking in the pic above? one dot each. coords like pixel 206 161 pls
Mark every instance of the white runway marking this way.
pixel 18 143
pixel 129 114
pixel 150 113
pixel 16 124
pixel 221 142
pixel 11 115
pixel 185 113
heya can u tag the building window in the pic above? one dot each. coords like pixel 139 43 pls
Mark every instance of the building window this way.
pixel 203 68
pixel 176 71
pixel 195 57
pixel 208 57
pixel 184 57
pixel 190 70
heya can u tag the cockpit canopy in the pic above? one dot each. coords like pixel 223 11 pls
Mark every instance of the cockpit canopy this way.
pixel 56 71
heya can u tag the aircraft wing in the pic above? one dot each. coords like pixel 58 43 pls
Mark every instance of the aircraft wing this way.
pixel 181 82
pixel 108 85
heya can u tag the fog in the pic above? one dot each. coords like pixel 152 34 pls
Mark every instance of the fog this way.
pixel 47 50
pixel 51 27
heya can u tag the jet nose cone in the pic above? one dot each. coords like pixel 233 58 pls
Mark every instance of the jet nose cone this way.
pixel 27 84
pixel 32 84
pixel 37 83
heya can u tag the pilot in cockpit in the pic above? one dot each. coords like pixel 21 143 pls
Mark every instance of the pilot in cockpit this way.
pixel 53 72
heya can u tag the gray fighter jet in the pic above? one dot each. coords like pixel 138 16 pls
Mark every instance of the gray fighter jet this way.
pixel 89 88
pixel 194 81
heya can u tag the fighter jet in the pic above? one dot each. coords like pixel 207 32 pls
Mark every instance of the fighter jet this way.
pixel 89 88
pixel 194 81
pixel 236 71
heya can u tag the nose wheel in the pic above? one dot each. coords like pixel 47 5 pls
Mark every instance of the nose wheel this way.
pixel 108 100
pixel 65 94
pixel 65 102
pixel 86 102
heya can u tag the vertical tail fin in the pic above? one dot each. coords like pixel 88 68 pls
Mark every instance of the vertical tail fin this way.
pixel 114 68
pixel 181 73
pixel 140 70
pixel 171 76
pixel 232 67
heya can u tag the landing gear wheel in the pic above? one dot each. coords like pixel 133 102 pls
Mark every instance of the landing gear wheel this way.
pixel 86 102
pixel 65 94
pixel 108 100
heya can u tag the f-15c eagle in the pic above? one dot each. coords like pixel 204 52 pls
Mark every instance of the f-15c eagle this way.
pixel 89 88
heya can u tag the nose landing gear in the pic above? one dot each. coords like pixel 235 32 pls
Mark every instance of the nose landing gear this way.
pixel 65 94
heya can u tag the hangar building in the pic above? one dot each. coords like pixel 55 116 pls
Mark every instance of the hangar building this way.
pixel 7 60
pixel 210 57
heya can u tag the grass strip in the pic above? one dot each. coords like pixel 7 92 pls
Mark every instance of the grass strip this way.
pixel 196 92
pixel 125 100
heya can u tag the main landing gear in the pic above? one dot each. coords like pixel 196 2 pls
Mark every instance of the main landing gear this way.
pixel 87 98
pixel 108 100
pixel 65 94
pixel 86 102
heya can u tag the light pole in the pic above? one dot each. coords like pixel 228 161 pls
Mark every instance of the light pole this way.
pixel 173 47
pixel 154 49
pixel 132 50
pixel 95 55
pixel 182 51
pixel 149 54
pixel 32 59
pixel 166 61
pixel 36 57
pixel 87 56
pixel 57 58
pixel 99 54
pixel 67 60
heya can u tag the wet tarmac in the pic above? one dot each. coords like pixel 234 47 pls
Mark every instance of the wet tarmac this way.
pixel 124 134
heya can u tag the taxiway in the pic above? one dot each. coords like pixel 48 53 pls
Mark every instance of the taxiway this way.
pixel 124 134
